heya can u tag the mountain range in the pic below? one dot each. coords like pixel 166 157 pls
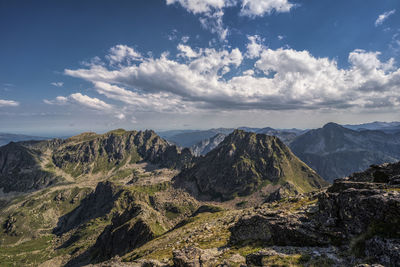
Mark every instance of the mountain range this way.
pixel 131 198
pixel 334 151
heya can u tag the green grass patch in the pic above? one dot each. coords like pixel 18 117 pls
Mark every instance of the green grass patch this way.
pixel 30 253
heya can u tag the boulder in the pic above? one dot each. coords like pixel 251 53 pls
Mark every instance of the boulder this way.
pixel 194 257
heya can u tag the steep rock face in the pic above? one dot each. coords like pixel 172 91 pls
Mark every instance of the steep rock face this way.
pixel 244 162
pixel 99 153
pixel 335 151
pixel 20 169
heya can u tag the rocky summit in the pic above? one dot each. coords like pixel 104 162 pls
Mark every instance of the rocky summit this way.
pixel 244 163
pixel 130 198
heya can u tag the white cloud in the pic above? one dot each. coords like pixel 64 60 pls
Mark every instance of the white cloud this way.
pixel 187 51
pixel 248 72
pixel 92 103
pixel 78 98
pixel 57 84
pixel 8 103
pixel 214 23
pixel 254 8
pixel 381 18
pixel 121 53
pixel 211 12
pixel 286 79
pixel 200 6
pixel 254 47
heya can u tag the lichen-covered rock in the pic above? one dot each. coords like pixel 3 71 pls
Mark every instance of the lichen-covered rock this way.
pixel 194 257
pixel 383 250
pixel 287 230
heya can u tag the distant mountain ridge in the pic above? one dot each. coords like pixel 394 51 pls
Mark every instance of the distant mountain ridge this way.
pixel 195 138
pixel 190 138
pixel 335 151
pixel 387 127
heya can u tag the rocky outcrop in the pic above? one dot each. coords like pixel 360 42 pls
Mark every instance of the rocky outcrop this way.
pixel 243 163
pixel 194 257
pixel 383 250
pixel 275 229
pixel 353 211
pixel 361 212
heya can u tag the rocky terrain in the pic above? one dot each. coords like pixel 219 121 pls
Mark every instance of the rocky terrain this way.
pixel 128 198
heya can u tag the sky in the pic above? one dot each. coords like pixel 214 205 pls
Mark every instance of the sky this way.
pixel 73 66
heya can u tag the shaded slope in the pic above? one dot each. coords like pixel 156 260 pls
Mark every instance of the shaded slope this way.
pixel 335 151
pixel 20 169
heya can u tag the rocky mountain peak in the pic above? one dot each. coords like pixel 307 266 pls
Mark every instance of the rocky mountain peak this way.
pixel 245 162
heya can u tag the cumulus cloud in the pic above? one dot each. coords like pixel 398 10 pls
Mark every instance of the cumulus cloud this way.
pixel 87 102
pixel 84 100
pixel 8 103
pixel 186 51
pixel 382 17
pixel 200 6
pixel 254 8
pixel 211 79
pixel 57 84
pixel 211 12
pixel 121 53
pixel 254 47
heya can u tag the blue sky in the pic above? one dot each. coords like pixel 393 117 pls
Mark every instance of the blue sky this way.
pixel 72 66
